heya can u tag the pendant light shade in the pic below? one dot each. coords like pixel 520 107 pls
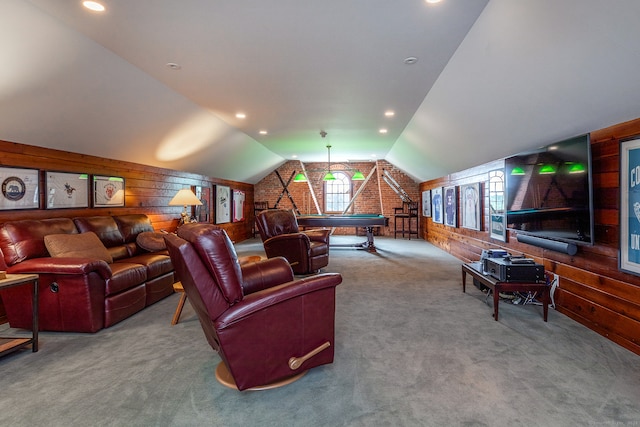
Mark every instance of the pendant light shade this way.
pixel 300 178
pixel 357 176
pixel 329 177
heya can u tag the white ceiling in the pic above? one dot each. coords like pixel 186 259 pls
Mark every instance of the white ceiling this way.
pixel 492 78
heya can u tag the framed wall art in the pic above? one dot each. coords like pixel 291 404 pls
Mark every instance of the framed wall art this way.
pixel 436 205
pixel 66 190
pixel 202 213
pixel 108 191
pixel 426 203
pixel 20 188
pixel 238 205
pixel 223 204
pixel 630 206
pixel 470 206
pixel 450 201
pixel 497 223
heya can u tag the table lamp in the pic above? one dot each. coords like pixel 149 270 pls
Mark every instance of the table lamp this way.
pixel 185 197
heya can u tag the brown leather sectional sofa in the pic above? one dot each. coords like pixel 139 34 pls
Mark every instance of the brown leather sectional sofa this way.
pixel 83 287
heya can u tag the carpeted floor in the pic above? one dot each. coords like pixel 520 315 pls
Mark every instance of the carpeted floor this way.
pixel 411 350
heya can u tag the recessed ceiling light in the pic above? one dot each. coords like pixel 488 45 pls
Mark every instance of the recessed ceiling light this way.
pixel 93 5
pixel 174 66
pixel 294 156
pixel 389 113
pixel 432 1
pixel 383 131
pixel 410 60
pixel 241 115
pixel 263 132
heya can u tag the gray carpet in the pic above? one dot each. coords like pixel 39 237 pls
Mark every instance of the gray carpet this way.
pixel 411 350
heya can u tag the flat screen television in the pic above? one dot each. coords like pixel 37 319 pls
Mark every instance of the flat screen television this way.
pixel 550 192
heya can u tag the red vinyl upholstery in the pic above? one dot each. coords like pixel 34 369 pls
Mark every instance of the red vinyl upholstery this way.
pixel 256 316
pixel 306 251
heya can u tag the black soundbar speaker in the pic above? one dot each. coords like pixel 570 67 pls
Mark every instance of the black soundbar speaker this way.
pixel 553 245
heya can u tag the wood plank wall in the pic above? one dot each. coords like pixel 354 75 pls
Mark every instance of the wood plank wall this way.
pixel 148 189
pixel 592 290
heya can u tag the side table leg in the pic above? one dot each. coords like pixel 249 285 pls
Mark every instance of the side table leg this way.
pixel 35 325
pixel 464 281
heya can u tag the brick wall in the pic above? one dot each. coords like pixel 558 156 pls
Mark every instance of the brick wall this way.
pixel 376 197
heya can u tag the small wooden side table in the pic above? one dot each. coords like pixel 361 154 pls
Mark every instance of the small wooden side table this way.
pixel 9 344
pixel 475 270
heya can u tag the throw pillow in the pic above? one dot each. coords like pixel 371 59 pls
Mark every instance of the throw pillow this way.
pixel 151 241
pixel 84 245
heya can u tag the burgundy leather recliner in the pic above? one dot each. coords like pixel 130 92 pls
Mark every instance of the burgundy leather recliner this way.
pixel 306 251
pixel 265 325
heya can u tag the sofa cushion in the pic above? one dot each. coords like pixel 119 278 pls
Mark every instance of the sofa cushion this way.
pixel 125 276
pixel 84 245
pixel 22 240
pixel 151 241
pixel 104 227
pixel 133 224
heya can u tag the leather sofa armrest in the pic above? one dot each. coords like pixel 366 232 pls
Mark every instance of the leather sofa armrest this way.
pixel 318 235
pixel 295 247
pixel 270 297
pixel 63 265
pixel 265 274
pixel 286 238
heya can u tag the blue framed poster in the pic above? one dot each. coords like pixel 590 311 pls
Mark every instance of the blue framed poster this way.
pixel 436 205
pixel 630 206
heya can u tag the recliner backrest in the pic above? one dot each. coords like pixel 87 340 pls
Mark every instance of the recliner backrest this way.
pixel 275 222
pixel 218 255
pixel 203 293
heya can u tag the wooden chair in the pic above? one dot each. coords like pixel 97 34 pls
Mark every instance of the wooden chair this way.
pixel 406 215
pixel 257 208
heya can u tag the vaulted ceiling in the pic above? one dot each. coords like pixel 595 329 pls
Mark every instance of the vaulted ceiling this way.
pixel 160 82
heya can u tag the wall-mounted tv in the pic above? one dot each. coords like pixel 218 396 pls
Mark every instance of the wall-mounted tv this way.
pixel 550 192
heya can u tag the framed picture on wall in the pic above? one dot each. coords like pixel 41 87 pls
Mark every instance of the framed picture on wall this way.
pixel 108 191
pixel 497 224
pixel 426 203
pixel 202 213
pixel 66 190
pixel 450 200
pixel 470 206
pixel 223 204
pixel 630 206
pixel 436 205
pixel 20 188
pixel 238 205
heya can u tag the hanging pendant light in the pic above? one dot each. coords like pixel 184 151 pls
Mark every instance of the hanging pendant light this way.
pixel 357 176
pixel 328 176
pixel 300 177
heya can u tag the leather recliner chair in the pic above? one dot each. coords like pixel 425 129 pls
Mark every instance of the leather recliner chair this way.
pixel 267 327
pixel 306 251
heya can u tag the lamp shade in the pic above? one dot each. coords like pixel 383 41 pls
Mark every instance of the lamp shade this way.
pixel 329 177
pixel 577 168
pixel 300 178
pixel 357 176
pixel 547 170
pixel 185 197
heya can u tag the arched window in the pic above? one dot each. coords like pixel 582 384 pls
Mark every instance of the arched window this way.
pixel 337 193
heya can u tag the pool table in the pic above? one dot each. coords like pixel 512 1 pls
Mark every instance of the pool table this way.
pixel 368 221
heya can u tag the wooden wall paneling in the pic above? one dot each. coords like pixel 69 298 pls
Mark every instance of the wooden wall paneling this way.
pixel 148 189
pixel 593 291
